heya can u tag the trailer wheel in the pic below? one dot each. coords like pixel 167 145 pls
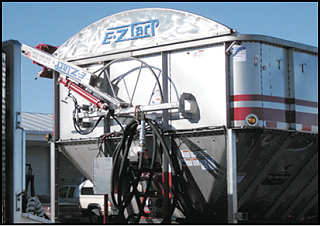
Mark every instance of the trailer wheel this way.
pixel 94 218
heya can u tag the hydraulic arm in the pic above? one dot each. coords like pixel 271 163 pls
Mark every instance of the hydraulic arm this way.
pixel 78 80
pixel 67 71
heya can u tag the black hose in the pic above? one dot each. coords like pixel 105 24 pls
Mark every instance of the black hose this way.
pixel 130 128
pixel 124 175
pixel 75 118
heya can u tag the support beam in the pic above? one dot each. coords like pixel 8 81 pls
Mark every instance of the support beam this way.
pixel 165 126
pixel 232 177
pixel 52 181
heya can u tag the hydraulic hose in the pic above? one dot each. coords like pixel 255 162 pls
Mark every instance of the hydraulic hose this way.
pixel 126 179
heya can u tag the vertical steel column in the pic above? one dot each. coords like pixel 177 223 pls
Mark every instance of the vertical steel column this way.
pixel 165 126
pixel 14 149
pixel 291 88
pixel 52 180
pixel 232 176
pixel 3 132
pixel 53 155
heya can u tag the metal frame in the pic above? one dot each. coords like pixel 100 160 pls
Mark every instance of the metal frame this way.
pixel 52 181
pixel 194 44
pixel 232 176
pixel 3 149
pixel 165 126
pixel 54 154
pixel 14 149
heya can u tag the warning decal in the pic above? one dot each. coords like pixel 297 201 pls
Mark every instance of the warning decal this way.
pixel 239 53
pixel 197 158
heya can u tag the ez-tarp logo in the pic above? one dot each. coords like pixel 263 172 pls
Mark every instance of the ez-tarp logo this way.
pixel 131 32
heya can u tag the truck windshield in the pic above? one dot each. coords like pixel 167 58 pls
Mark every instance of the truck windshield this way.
pixel 63 192
pixel 71 192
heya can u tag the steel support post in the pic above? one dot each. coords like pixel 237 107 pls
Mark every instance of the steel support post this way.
pixel 165 125
pixel 232 176
pixel 53 155
pixel 105 209
pixel 52 180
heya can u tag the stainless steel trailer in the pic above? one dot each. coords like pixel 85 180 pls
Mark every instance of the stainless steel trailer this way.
pixel 237 113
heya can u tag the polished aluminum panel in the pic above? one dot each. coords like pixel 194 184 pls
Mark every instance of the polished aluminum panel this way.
pixel 306 91
pixel 200 71
pixel 276 85
pixel 82 154
pixel 136 29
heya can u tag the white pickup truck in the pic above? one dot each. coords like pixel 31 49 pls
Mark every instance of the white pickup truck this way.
pixel 92 205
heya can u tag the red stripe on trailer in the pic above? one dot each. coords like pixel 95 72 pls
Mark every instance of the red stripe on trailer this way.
pixel 268 114
pixel 306 128
pixel 306 103
pixel 241 113
pixel 306 118
pixel 254 97
pixel 270 124
pixel 276 99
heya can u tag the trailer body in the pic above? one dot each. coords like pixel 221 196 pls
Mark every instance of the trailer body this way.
pixel 251 139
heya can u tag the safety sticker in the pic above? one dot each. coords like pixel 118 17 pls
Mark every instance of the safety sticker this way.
pixel 239 53
pixel 188 162
pixel 197 158
pixel 195 162
pixel 185 153
pixel 193 154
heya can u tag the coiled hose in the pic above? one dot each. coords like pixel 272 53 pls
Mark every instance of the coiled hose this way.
pixel 34 206
pixel 125 179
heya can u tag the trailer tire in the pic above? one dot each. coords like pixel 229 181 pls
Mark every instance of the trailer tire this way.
pixel 94 218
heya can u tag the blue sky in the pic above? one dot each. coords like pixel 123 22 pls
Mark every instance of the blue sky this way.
pixel 55 23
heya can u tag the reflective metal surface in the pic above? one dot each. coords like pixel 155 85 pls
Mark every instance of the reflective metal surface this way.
pixel 139 28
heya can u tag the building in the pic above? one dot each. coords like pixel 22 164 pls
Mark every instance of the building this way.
pixel 36 127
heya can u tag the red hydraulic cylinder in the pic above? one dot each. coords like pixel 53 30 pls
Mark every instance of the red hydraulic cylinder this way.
pixel 74 87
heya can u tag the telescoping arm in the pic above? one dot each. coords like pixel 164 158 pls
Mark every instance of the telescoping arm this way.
pixel 74 87
pixel 75 78
pixel 68 71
